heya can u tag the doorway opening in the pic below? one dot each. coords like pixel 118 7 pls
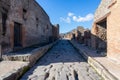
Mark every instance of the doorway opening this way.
pixel 102 35
pixel 17 35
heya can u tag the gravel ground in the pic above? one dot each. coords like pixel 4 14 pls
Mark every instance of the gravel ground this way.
pixel 62 62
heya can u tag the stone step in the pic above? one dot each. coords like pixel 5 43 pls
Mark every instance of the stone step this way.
pixel 100 68
pixel 30 56
pixel 12 70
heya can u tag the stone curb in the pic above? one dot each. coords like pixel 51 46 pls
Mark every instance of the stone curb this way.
pixel 39 52
pixel 95 64
pixel 32 59
pixel 16 73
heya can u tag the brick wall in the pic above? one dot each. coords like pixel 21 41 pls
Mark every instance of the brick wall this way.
pixel 35 23
pixel 102 9
pixel 113 31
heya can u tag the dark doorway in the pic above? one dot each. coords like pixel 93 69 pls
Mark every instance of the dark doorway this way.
pixel 102 35
pixel 17 35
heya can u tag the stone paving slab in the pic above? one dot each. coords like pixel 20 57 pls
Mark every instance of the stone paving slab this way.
pixel 17 64
pixel 11 70
pixel 106 67
pixel 62 62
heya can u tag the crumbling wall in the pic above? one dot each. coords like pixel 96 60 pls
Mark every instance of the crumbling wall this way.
pixel 87 37
pixel 99 29
pixel 80 34
pixel 55 32
pixel 4 31
pixel 102 35
pixel 35 23
pixel 102 10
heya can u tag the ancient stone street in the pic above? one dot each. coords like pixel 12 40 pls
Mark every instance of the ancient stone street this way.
pixel 62 62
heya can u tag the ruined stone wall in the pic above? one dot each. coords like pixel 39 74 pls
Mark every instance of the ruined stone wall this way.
pixel 99 29
pixel 93 36
pixel 87 37
pixel 55 31
pixel 113 31
pixel 69 35
pixel 36 26
pixel 101 36
pixel 102 9
pixel 107 37
pixel 81 31
pixel 81 35
pixel 5 41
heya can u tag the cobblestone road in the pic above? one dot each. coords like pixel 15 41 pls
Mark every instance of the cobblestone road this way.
pixel 62 62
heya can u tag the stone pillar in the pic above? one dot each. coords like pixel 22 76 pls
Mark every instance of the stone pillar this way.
pixel 11 34
pixel 94 36
pixel 23 36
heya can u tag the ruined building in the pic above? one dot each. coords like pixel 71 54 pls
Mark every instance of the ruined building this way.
pixel 106 28
pixel 55 32
pixel 23 23
pixel 80 34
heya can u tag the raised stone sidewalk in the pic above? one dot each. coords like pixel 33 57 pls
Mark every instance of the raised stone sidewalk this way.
pixel 107 68
pixel 16 64
pixel 12 70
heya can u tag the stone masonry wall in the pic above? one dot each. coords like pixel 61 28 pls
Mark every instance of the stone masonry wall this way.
pixel 81 35
pixel 36 26
pixel 99 29
pixel 55 32
pixel 113 32
pixel 5 41
pixel 101 36
pixel 102 9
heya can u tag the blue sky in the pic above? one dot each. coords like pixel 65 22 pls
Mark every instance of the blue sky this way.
pixel 70 13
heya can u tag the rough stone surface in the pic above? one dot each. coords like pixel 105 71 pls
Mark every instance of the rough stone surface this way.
pixel 13 71
pixel 80 34
pixel 55 32
pixel 30 55
pixel 35 24
pixel 113 32
pixel 106 38
pixel 106 67
pixel 62 62
pixel 99 36
pixel 102 9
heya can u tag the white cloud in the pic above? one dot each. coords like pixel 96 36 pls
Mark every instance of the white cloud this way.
pixel 73 17
pixel 70 14
pixel 88 17
pixel 67 20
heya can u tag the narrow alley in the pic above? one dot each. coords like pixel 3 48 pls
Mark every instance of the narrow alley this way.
pixel 62 62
